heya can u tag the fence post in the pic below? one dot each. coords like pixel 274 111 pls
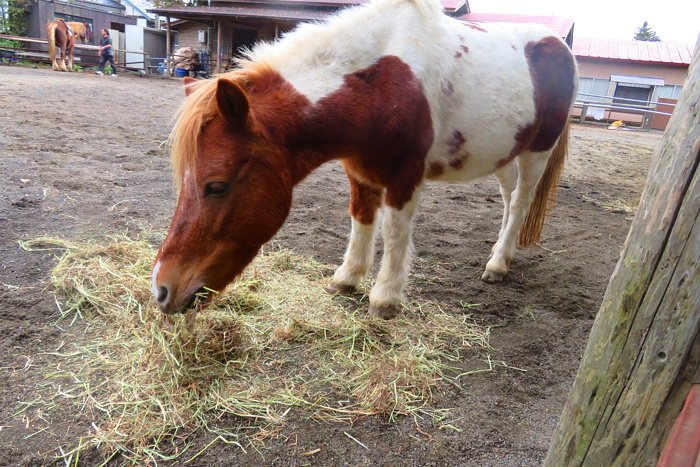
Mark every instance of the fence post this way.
pixel 644 348
pixel 584 111
pixel 167 46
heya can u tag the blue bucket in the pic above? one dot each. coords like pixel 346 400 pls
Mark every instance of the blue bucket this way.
pixel 180 72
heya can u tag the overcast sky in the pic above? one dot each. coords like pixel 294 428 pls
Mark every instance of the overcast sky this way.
pixel 673 20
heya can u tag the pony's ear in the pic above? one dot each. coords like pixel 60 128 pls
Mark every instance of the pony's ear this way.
pixel 232 102
pixel 188 81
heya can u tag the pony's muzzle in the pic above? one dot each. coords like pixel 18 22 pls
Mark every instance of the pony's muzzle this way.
pixel 165 300
pixel 163 297
pixel 170 304
pixel 169 299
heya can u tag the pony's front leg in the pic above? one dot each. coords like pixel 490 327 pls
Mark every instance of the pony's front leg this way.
pixel 387 294
pixel 530 168
pixel 364 206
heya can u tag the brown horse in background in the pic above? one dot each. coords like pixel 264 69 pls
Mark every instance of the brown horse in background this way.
pixel 62 35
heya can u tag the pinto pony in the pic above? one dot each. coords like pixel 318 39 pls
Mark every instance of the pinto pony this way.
pixel 62 35
pixel 398 92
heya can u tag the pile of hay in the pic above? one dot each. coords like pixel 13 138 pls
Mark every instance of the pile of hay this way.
pixel 186 58
pixel 273 342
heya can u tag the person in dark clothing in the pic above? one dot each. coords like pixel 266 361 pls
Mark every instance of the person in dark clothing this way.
pixel 106 53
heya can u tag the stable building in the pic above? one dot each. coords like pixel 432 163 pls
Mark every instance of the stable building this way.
pixel 222 29
pixel 642 76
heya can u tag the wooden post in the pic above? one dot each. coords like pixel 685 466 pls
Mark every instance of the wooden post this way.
pixel 644 348
pixel 219 47
pixel 584 111
pixel 167 46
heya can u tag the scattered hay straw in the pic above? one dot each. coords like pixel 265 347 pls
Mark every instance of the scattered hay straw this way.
pixel 271 343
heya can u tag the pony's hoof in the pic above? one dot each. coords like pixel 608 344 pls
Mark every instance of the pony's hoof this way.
pixel 492 276
pixel 340 289
pixel 383 312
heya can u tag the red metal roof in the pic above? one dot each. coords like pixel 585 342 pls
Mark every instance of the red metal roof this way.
pixel 562 26
pixel 636 51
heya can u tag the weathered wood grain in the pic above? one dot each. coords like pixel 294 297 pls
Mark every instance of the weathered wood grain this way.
pixel 644 348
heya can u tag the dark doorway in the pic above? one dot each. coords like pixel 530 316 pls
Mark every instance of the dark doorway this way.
pixel 243 38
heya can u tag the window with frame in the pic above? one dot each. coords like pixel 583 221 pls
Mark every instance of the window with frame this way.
pixel 625 91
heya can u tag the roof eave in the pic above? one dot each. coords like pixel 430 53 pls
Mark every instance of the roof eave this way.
pixel 626 60
pixel 195 13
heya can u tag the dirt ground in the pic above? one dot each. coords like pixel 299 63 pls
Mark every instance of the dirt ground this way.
pixel 81 156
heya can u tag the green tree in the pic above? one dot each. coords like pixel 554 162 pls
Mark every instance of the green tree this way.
pixel 14 18
pixel 4 24
pixel 646 33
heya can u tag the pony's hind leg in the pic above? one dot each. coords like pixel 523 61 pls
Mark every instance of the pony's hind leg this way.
pixel 364 207
pixel 387 294
pixel 62 63
pixel 530 168
pixel 507 179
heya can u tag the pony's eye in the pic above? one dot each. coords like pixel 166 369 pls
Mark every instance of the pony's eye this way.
pixel 215 188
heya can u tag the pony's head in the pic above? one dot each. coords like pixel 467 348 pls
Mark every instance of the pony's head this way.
pixel 87 33
pixel 81 30
pixel 234 192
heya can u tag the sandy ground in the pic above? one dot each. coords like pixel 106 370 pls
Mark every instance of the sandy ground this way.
pixel 81 156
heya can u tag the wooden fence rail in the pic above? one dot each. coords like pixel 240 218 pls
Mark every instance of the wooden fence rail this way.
pixel 78 45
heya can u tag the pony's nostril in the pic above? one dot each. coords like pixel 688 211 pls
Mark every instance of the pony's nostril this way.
pixel 162 295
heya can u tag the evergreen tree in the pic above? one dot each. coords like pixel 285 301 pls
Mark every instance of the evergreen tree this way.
pixel 646 33
pixel 14 18
pixel 4 26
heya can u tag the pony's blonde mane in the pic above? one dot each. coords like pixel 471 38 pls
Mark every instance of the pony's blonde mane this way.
pixel 195 112
pixel 200 106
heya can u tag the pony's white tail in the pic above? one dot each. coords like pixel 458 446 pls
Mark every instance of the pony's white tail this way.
pixel 426 7
pixel 52 40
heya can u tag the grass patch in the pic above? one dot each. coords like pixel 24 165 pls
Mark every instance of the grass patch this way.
pixel 273 342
